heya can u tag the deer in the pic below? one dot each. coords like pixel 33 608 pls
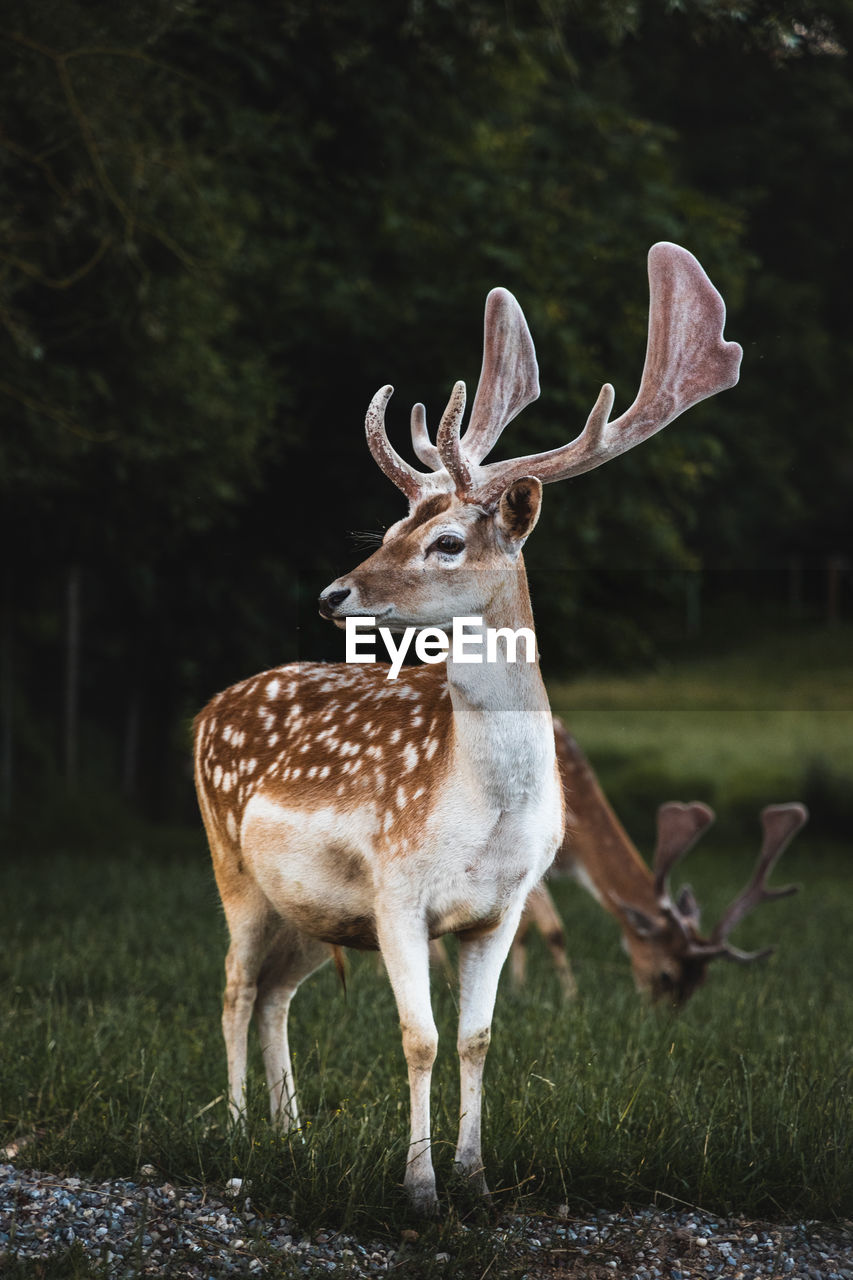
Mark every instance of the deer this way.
pixel 344 809
pixel 660 931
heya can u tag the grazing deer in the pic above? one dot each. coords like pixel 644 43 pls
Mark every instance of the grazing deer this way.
pixel 346 809
pixel 669 957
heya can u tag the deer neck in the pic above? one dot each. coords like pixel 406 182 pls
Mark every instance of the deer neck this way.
pixel 599 845
pixel 501 718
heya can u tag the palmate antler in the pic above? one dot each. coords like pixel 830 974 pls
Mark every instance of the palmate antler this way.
pixel 679 826
pixel 687 360
pixel 780 823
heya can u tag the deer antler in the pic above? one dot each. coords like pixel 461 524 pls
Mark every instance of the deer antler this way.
pixel 679 827
pixel 424 448
pixel 405 477
pixel 509 377
pixel 780 823
pixel 687 360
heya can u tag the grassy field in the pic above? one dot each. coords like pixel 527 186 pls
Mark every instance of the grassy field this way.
pixel 111 978
pixel 762 724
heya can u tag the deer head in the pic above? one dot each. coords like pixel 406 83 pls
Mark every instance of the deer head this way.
pixel 467 514
pixel 669 956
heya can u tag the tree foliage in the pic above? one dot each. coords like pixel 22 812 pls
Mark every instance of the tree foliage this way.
pixel 225 227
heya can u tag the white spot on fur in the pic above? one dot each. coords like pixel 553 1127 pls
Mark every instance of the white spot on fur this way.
pixel 231 825
pixel 273 688
pixel 410 756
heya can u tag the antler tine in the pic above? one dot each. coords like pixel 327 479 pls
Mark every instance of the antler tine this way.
pixel 679 827
pixel 780 822
pixel 424 448
pixel 405 477
pixel 448 443
pixel 687 360
pixel 509 377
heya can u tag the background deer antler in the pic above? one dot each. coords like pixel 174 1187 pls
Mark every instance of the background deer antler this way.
pixel 780 823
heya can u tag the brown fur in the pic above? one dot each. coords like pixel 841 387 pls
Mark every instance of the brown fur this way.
pixel 345 729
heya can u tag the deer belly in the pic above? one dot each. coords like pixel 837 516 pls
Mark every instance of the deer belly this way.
pixel 312 869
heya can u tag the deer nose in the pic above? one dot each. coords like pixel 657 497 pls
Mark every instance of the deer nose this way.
pixel 330 600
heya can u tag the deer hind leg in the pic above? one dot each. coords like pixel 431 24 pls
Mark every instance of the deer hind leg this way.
pixel 439 959
pixel 518 951
pixel 540 910
pixel 291 958
pixel 480 962
pixel 405 949
pixel 251 922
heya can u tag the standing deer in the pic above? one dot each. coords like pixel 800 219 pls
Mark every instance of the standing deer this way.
pixel 669 957
pixel 345 809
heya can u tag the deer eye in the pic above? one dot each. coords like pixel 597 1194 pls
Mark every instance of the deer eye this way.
pixel 449 544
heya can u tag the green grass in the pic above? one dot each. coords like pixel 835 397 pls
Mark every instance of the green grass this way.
pixel 111 979
pixel 110 985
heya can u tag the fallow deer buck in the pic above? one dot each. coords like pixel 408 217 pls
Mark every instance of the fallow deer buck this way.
pixel 669 956
pixel 345 809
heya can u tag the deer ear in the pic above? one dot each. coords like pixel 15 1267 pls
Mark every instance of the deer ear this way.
pixel 518 509
pixel 644 926
pixel 686 904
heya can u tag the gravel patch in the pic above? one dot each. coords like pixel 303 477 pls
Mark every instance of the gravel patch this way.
pixel 140 1228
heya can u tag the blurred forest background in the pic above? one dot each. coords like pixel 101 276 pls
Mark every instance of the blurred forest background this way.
pixel 222 228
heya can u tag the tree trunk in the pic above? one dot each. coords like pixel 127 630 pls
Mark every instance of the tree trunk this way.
pixel 7 739
pixel 72 678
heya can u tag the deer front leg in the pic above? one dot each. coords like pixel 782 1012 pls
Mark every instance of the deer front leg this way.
pixel 405 949
pixel 480 962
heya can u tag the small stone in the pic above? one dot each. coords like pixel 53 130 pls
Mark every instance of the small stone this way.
pixel 147 1171
pixel 233 1186
pixel 442 1257
pixel 408 1236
